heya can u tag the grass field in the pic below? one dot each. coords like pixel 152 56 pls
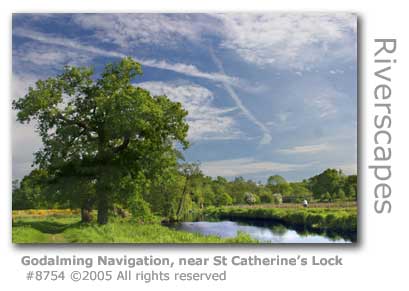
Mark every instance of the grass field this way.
pixel 39 226
pixel 64 226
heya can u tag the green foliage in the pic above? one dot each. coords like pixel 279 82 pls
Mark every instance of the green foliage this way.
pixel 351 192
pixel 188 171
pixel 108 144
pixel 223 199
pixel 276 180
pixel 299 192
pixel 140 210
pixel 328 181
pixel 105 140
pixel 266 197
pixel 333 181
pixel 31 192
pixel 341 194
pixel 164 194
pixel 277 198
pixel 185 187
pixel 239 187
pixel 102 130
pixel 250 198
pixel 326 197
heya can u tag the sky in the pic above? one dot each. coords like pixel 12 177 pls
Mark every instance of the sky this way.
pixel 271 93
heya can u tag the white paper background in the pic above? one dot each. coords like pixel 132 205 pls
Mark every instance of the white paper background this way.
pixel 380 260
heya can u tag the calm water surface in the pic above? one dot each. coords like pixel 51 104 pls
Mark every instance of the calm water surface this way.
pixel 265 232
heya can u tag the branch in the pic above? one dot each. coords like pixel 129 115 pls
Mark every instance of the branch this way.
pixel 123 146
pixel 75 122
pixel 85 128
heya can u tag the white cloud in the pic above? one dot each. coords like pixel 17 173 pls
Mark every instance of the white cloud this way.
pixel 205 120
pixel 324 105
pixel 336 71
pixel 46 55
pixel 20 84
pixel 307 149
pixel 296 41
pixel 245 166
pixel 130 30
pixel 325 102
pixel 348 169
pixel 185 69
pixel 25 141
pixel 283 116
pixel 282 121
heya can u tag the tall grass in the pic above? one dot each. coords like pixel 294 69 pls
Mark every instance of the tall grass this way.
pixel 70 230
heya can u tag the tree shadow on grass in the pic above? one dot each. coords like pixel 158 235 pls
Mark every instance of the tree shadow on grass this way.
pixel 50 227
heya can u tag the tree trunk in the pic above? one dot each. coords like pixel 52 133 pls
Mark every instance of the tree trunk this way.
pixel 182 199
pixel 102 208
pixel 101 186
pixel 86 215
pixel 102 201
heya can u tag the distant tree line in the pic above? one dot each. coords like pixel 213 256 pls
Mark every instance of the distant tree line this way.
pixel 188 189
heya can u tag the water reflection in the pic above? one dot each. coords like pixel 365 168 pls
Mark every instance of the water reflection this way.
pixel 264 232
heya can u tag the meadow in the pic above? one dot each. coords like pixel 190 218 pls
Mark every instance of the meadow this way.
pixel 64 226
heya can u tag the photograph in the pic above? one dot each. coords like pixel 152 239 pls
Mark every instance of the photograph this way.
pixel 184 128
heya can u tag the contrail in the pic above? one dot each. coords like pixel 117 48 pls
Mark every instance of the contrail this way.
pixel 266 139
pixel 180 68
pixel 185 69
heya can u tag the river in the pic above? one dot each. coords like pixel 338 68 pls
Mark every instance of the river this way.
pixel 264 232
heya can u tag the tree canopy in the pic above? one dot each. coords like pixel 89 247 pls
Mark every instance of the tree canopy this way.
pixel 103 130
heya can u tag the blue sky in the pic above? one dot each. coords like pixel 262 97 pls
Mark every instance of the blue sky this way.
pixel 272 93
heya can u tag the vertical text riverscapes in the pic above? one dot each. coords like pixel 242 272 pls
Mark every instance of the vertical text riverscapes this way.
pixel 381 169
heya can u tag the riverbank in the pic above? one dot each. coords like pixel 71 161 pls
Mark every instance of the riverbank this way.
pixel 343 220
pixel 60 228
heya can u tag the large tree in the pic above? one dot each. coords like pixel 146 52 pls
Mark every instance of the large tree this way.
pixel 104 130
pixel 276 180
pixel 328 181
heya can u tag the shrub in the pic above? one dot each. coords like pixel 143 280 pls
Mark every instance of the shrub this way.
pixel 298 218
pixel 250 198
pixel 141 211
pixel 330 220
pixel 266 198
pixel 277 198
pixel 223 199
pixel 341 194
pixel 326 197
pixel 315 220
